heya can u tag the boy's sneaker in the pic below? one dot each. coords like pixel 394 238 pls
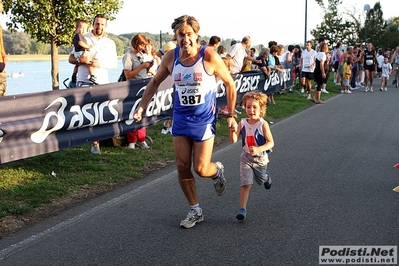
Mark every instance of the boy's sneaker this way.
pixel 95 149
pixel 93 80
pixel 268 183
pixel 220 181
pixel 241 214
pixel 142 145
pixel 132 145
pixel 366 89
pixel 371 89
pixel 192 218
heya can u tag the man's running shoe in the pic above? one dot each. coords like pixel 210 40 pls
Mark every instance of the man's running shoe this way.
pixel 192 218
pixel 220 181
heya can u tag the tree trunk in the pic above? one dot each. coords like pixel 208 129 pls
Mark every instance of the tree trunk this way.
pixel 54 65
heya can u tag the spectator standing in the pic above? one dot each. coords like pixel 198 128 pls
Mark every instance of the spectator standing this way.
pixel 264 65
pixel 3 60
pixel 320 72
pixel 395 63
pixel 104 58
pixel 360 67
pixel 136 66
pixel 149 55
pixel 308 62
pixel 296 60
pixel 194 114
pixel 257 139
pixel 238 53
pixel 347 75
pixel 248 63
pixel 221 50
pixel 337 56
pixel 214 42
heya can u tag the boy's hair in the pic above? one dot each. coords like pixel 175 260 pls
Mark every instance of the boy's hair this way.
pixel 349 60
pixel 258 96
pixel 78 20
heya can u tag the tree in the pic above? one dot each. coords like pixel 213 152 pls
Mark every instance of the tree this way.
pixel 53 21
pixel 333 27
pixel 376 26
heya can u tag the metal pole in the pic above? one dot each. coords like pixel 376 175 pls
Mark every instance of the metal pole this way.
pixel 160 39
pixel 306 22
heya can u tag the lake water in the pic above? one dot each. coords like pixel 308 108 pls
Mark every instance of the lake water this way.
pixel 37 75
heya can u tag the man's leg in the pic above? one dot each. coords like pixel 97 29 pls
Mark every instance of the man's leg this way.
pixel 203 166
pixel 183 151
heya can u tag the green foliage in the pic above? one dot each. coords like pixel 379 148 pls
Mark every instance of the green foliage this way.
pixel 351 29
pixel 334 27
pixel 53 22
pixel 48 21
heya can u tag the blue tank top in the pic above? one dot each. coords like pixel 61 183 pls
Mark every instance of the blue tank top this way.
pixel 195 92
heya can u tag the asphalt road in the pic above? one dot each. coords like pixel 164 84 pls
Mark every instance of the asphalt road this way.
pixel 333 175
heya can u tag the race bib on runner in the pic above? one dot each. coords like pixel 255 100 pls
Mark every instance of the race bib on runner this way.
pixel 190 96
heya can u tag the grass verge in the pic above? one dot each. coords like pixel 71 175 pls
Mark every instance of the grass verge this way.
pixel 39 187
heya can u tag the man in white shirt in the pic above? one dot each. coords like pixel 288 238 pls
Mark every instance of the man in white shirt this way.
pixel 308 63
pixel 104 57
pixel 239 54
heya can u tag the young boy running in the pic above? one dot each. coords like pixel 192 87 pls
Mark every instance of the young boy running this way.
pixel 257 140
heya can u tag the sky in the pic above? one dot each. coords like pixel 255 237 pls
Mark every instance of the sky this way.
pixel 283 21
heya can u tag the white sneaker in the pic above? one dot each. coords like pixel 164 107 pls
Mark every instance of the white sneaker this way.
pixel 309 97
pixel 342 91
pixel 302 91
pixel 165 131
pixel 386 89
pixel 381 89
pixel 324 91
pixel 95 149
pixel 371 89
pixel 132 146
pixel 348 92
pixel 366 89
pixel 143 145
pixel 193 217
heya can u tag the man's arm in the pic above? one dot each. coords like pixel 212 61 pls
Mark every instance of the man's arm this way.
pixel 214 64
pixel 163 72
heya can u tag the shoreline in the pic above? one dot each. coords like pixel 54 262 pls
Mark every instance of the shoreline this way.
pixel 33 57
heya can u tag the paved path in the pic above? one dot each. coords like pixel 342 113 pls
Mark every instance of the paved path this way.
pixel 333 177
